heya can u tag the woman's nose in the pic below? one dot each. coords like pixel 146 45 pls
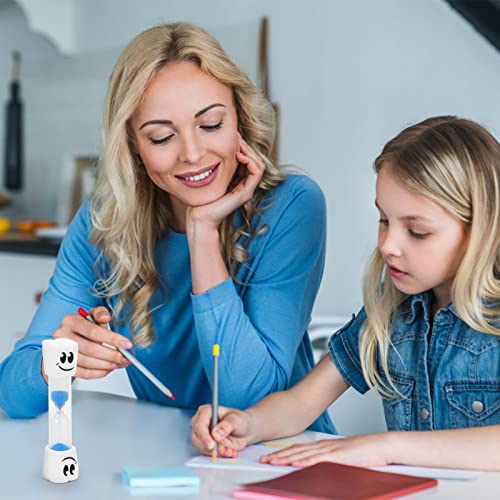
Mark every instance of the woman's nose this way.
pixel 192 149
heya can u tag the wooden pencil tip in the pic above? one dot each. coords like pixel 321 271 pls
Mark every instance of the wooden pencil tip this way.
pixel 214 456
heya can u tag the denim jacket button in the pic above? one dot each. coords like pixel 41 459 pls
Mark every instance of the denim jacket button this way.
pixel 424 413
pixel 477 406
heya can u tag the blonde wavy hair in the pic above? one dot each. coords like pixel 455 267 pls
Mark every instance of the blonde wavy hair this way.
pixel 455 163
pixel 129 212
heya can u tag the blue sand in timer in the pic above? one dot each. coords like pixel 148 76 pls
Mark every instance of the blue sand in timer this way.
pixel 59 423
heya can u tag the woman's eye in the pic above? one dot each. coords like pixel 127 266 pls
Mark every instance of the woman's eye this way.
pixel 417 235
pixel 164 140
pixel 384 222
pixel 215 126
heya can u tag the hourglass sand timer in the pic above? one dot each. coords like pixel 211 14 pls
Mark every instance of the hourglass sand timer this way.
pixel 60 464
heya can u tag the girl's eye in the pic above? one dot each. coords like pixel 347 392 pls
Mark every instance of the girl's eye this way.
pixel 384 222
pixel 419 236
pixel 157 142
pixel 216 126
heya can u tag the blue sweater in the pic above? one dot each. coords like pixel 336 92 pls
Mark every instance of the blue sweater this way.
pixel 260 319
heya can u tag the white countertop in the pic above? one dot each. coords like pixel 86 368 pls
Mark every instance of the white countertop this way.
pixel 111 432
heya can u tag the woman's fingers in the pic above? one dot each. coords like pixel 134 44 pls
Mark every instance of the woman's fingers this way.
pixel 247 151
pixel 101 315
pixel 95 360
pixel 255 167
pixel 93 332
pixel 88 374
pixel 101 352
pixel 90 348
pixel 253 162
pixel 97 364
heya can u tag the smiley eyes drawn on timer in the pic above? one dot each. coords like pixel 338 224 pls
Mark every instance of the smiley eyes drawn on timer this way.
pixel 66 358
pixel 70 467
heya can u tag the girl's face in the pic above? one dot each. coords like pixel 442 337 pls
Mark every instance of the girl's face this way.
pixel 421 243
pixel 186 133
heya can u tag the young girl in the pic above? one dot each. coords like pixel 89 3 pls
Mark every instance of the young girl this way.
pixel 428 337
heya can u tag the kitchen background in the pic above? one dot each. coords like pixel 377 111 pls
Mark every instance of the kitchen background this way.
pixel 347 76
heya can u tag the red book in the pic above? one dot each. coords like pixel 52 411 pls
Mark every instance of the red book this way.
pixel 331 481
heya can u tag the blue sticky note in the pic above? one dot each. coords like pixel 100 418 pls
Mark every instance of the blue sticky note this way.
pixel 164 477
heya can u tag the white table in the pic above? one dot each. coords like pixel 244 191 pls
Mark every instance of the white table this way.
pixel 112 431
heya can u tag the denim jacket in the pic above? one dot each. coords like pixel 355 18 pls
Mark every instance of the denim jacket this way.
pixel 448 375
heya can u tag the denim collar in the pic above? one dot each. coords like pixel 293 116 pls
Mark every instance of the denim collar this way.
pixel 411 308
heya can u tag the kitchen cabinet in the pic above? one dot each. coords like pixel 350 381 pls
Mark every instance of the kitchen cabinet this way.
pixel 22 277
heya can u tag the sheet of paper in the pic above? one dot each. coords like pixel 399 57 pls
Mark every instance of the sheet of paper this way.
pixel 247 459
pixel 435 473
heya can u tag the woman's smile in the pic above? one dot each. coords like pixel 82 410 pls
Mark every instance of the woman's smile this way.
pixel 199 178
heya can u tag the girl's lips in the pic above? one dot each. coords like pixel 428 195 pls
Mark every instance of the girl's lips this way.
pixel 201 182
pixel 395 272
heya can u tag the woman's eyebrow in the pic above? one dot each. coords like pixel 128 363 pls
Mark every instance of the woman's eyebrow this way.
pixel 204 110
pixel 170 122
pixel 156 122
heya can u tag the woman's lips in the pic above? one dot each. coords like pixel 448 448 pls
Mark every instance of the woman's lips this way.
pixel 200 178
pixel 395 272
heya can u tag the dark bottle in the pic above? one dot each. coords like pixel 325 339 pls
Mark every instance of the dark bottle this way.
pixel 14 131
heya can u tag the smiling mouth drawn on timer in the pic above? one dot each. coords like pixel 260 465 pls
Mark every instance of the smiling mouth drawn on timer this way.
pixel 64 369
pixel 63 358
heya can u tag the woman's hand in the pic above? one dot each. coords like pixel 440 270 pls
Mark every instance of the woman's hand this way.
pixel 232 433
pixel 94 359
pixel 365 451
pixel 214 213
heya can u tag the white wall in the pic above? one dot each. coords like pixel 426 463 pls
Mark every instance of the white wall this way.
pixel 62 99
pixel 347 74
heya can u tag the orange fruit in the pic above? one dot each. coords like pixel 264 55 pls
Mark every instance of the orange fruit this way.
pixel 4 224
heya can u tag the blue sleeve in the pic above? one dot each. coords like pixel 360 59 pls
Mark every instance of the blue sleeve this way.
pixel 260 324
pixel 344 350
pixel 23 392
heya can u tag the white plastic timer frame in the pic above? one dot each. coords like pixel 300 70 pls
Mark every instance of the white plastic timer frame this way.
pixel 60 463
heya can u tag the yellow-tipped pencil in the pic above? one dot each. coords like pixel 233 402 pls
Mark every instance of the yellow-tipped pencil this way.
pixel 215 394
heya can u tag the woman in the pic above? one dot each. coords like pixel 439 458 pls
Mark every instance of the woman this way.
pixel 193 237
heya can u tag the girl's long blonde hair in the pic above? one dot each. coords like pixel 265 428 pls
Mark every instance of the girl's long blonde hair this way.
pixel 455 163
pixel 129 212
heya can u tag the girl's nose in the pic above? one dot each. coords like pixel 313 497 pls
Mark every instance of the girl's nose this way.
pixel 389 245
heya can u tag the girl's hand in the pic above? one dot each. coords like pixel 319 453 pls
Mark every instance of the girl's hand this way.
pixel 94 359
pixel 214 213
pixel 232 433
pixel 364 451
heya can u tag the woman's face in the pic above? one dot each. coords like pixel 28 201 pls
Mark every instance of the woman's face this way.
pixel 186 132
